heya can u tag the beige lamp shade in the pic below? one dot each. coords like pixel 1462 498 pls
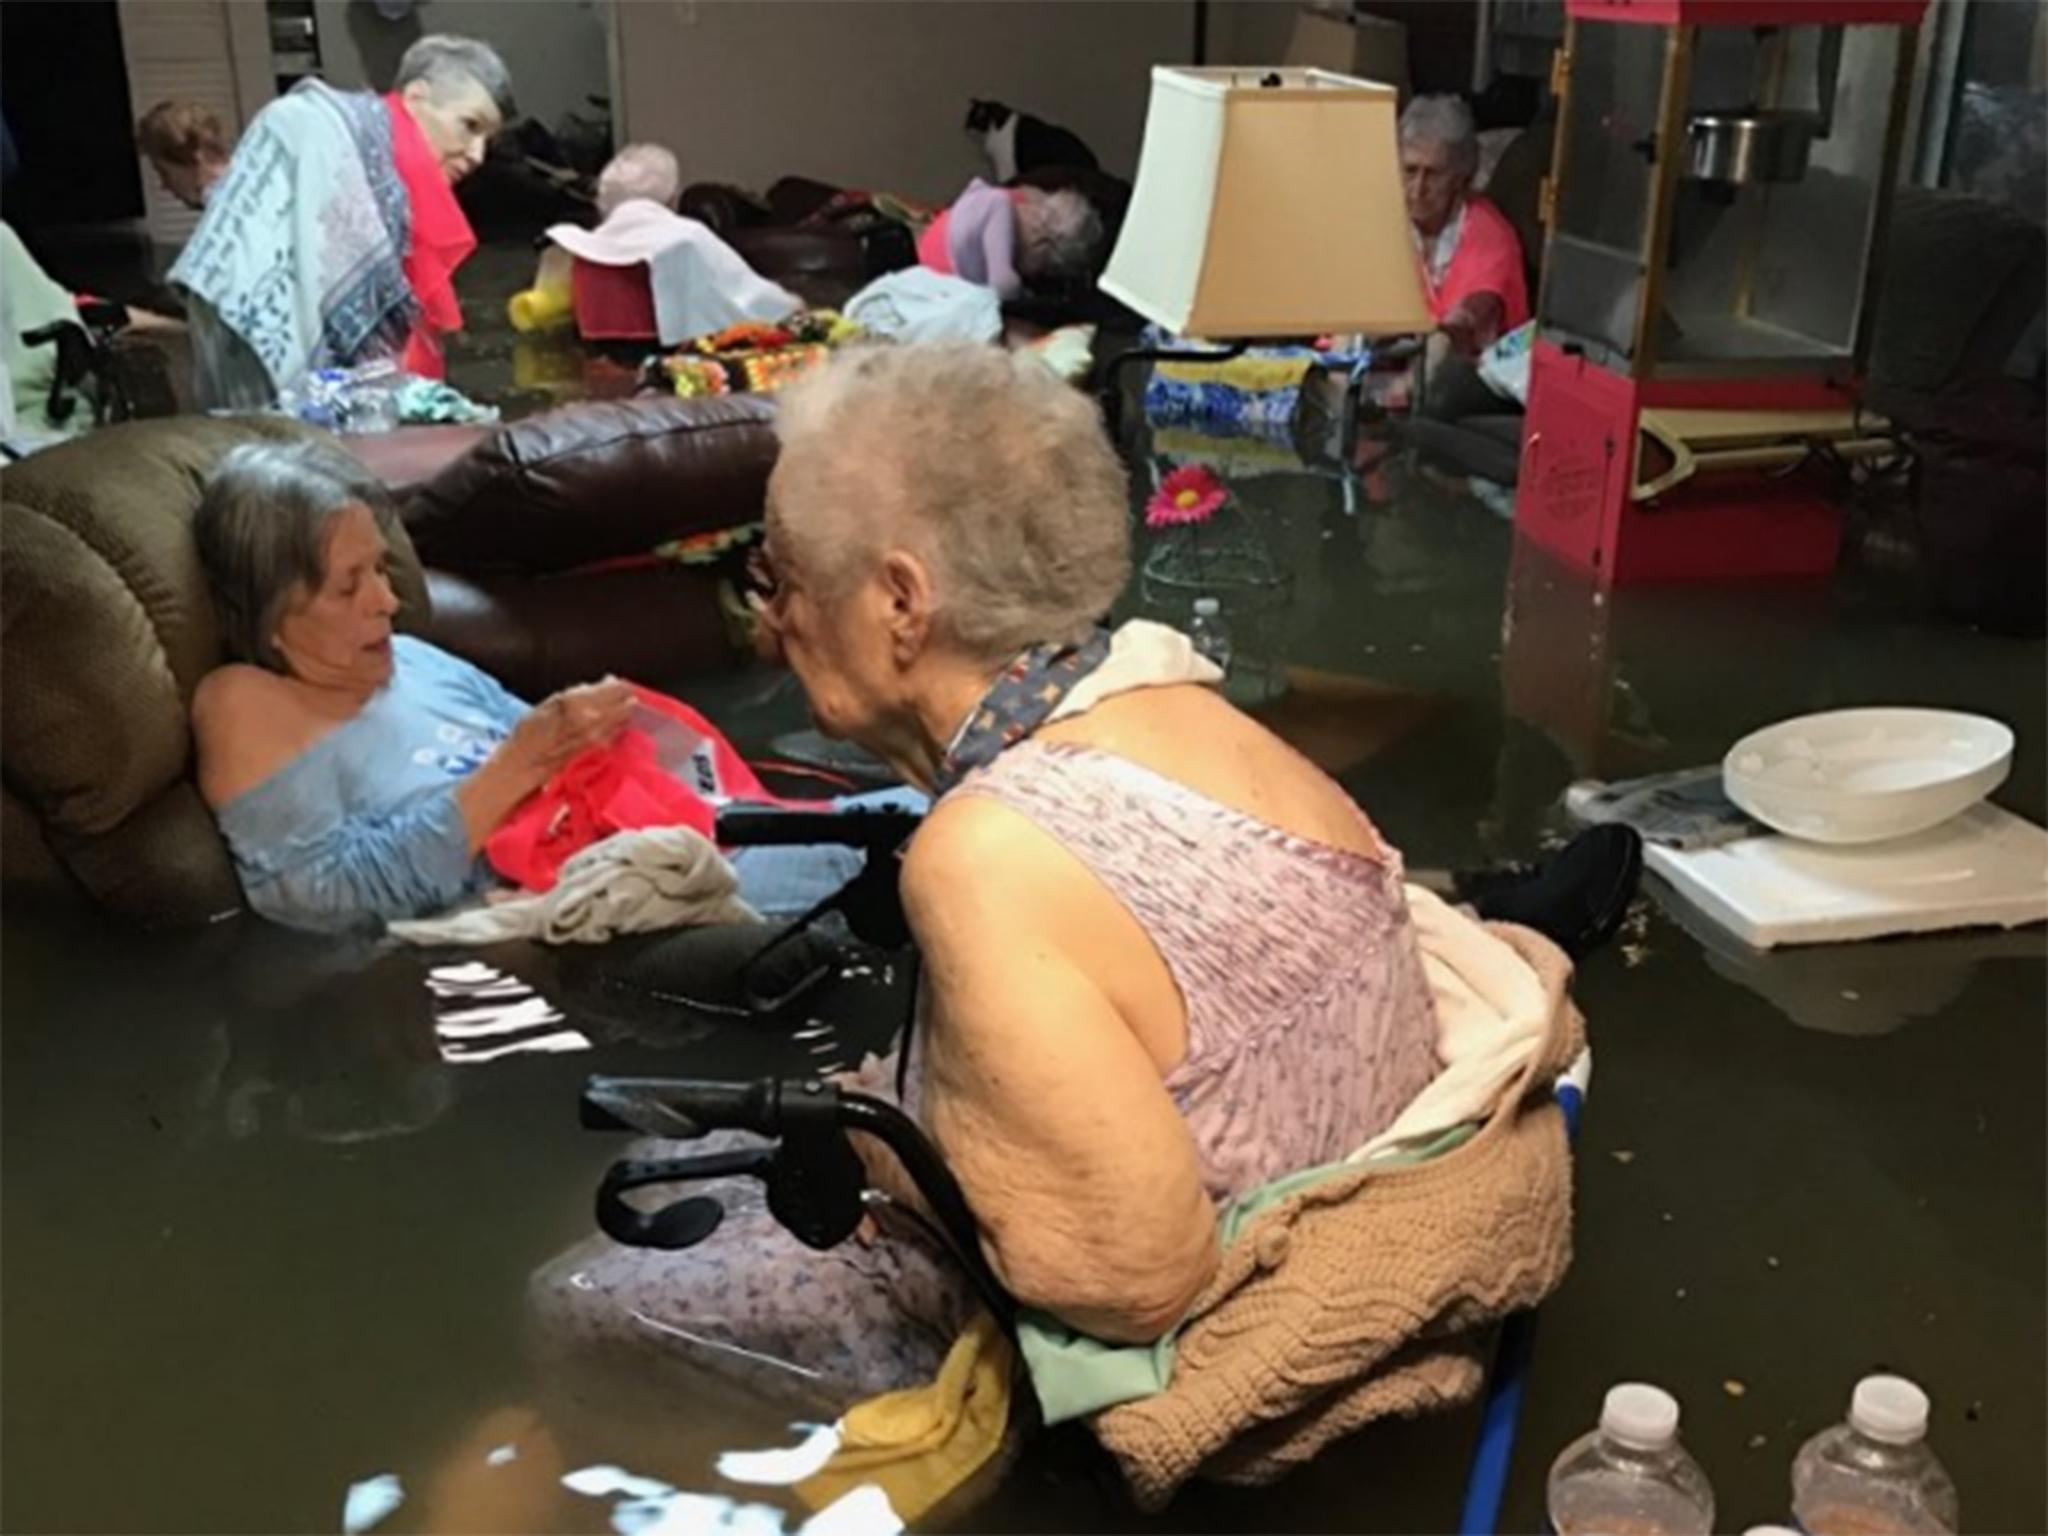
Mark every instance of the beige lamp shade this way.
pixel 1269 210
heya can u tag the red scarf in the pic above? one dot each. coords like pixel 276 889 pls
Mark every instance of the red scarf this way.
pixel 441 241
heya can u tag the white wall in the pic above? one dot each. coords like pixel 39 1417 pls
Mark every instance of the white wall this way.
pixel 872 93
pixel 556 49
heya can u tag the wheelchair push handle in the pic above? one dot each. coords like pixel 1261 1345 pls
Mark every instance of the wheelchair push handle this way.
pixel 814 1179
pixel 684 1109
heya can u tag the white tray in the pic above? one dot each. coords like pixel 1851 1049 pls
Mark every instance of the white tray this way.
pixel 1985 868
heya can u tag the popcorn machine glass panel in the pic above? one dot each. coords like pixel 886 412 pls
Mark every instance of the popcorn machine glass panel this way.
pixel 1596 258
pixel 1764 216
pixel 1769 257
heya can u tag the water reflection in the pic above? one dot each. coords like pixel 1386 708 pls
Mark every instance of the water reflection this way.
pixel 1870 988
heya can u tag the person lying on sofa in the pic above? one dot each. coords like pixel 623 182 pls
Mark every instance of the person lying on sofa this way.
pixel 357 773
pixel 1004 237
pixel 334 237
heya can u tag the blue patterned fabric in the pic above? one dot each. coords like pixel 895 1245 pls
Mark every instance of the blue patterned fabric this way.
pixel 1227 409
pixel 1020 700
pixel 300 252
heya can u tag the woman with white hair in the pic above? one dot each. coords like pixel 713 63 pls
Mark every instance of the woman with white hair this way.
pixel 645 171
pixel 334 237
pixel 1471 260
pixel 1156 977
pixel 656 274
pixel 1006 237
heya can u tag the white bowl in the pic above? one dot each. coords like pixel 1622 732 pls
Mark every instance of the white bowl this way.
pixel 1865 775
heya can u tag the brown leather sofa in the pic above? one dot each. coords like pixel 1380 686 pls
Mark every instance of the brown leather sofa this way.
pixel 524 555
pixel 536 540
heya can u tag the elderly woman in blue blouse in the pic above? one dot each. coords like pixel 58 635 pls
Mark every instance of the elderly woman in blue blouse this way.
pixel 356 772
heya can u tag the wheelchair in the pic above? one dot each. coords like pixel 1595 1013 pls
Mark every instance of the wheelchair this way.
pixel 87 369
pixel 816 1184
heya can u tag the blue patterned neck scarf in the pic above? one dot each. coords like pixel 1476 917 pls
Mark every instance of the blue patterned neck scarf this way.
pixel 1023 696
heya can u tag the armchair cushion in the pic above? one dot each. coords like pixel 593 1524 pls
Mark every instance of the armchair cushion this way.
pixel 597 481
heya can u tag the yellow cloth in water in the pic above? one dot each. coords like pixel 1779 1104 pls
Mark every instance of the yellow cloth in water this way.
pixel 920 1444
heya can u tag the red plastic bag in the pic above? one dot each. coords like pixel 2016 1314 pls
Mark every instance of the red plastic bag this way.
pixel 670 767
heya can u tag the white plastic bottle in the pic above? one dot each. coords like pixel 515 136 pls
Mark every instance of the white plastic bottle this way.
pixel 1211 632
pixel 1875 1476
pixel 1631 1477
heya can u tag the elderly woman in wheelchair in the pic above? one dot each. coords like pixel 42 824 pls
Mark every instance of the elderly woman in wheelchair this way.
pixel 1167 961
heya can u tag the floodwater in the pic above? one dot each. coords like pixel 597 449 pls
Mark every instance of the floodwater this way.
pixel 264 1243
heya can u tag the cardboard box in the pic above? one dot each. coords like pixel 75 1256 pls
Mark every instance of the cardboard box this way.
pixel 1369 47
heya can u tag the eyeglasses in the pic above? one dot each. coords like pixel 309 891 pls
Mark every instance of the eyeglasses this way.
pixel 765 579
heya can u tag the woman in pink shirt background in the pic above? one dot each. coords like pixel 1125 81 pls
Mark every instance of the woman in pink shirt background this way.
pixel 1472 270
pixel 1471 260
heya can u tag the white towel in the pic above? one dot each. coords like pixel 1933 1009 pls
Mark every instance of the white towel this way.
pixel 700 283
pixel 632 882
pixel 1142 654
pixel 1490 1015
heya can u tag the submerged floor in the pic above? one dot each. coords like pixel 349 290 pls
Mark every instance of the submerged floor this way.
pixel 262 1243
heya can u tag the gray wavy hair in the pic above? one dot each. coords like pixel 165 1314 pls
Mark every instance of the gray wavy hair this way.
pixel 262 528
pixel 1443 120
pixel 1057 233
pixel 979 461
pixel 442 56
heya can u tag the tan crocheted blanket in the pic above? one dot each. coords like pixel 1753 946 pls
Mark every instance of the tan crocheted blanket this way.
pixel 1367 1294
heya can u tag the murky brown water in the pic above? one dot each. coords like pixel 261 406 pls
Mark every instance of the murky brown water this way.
pixel 261 1243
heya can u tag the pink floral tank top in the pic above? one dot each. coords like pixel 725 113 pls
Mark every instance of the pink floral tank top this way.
pixel 1309 1019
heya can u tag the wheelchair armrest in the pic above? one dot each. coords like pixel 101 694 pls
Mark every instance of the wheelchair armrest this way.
pixel 880 831
pixel 1398 349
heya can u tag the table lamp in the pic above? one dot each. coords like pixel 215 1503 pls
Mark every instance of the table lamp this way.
pixel 1268 204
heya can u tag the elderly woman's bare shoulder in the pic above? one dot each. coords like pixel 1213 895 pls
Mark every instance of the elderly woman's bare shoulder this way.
pixel 248 722
pixel 975 854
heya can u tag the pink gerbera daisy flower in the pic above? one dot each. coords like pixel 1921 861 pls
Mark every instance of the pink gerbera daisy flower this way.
pixel 1189 495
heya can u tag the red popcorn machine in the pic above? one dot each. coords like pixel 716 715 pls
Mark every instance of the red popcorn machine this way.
pixel 1719 190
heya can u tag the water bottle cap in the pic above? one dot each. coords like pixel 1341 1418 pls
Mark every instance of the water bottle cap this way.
pixel 1207 607
pixel 1640 1416
pixel 1889 1408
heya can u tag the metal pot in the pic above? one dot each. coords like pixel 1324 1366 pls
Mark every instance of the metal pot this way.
pixel 1759 147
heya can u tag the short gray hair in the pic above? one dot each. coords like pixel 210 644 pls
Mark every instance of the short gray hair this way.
pixel 976 459
pixel 1058 233
pixel 639 170
pixel 262 528
pixel 441 56
pixel 1443 120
